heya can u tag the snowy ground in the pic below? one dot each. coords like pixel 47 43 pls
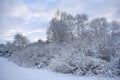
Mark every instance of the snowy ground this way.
pixel 10 71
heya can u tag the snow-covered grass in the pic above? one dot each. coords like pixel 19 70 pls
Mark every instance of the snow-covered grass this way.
pixel 10 71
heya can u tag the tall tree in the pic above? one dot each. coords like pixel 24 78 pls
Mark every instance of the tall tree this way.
pixel 115 26
pixel 58 31
pixel 69 20
pixel 100 30
pixel 99 27
pixel 80 24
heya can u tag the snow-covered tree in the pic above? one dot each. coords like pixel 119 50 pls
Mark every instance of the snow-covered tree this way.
pixel 70 21
pixel 20 40
pixel 80 24
pixel 99 26
pixel 58 31
pixel 115 26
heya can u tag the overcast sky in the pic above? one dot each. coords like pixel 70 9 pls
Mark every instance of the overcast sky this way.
pixel 31 17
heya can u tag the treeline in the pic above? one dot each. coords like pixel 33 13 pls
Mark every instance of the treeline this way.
pixel 68 28
pixel 75 45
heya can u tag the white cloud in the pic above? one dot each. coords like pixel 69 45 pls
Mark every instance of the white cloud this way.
pixel 20 10
pixel 23 11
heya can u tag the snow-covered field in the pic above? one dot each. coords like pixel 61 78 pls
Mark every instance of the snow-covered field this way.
pixel 10 71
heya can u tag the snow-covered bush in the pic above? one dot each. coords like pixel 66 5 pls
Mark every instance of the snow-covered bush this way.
pixel 32 56
pixel 77 63
pixel 115 67
pixel 107 54
pixel 59 65
pixel 5 51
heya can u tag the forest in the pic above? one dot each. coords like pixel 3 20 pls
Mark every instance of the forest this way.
pixel 75 45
